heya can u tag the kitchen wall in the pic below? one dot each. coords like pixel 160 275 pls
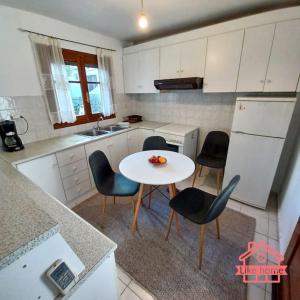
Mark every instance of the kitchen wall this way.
pixel 289 201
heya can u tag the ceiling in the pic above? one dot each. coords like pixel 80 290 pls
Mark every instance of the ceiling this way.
pixel 117 18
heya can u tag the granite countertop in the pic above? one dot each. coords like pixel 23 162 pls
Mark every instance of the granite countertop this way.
pixel 28 216
pixel 49 146
pixel 23 224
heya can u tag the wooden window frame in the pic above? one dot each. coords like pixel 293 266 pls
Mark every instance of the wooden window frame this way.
pixel 81 59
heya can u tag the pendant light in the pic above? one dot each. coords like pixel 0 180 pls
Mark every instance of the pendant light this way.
pixel 142 21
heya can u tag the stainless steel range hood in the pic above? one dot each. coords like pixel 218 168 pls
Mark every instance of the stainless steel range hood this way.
pixel 189 83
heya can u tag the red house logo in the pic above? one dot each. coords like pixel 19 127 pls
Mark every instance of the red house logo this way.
pixel 259 271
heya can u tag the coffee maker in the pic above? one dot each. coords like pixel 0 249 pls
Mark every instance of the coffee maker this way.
pixel 10 139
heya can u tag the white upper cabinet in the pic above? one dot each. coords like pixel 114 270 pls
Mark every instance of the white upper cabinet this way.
pixel 140 71
pixel 183 60
pixel 222 62
pixel 284 66
pixel 169 66
pixel 255 58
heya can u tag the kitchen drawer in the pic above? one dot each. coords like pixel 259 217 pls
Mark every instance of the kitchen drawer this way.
pixel 171 138
pixel 73 180
pixel 69 156
pixel 78 190
pixel 73 168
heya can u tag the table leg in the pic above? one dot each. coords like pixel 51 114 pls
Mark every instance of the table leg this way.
pixel 172 191
pixel 137 208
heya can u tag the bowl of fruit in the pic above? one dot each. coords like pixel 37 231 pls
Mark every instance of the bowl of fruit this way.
pixel 157 160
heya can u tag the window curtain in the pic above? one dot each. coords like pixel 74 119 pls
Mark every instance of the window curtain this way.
pixel 53 79
pixel 105 67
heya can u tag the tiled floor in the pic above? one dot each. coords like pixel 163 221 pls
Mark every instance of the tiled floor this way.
pixel 266 230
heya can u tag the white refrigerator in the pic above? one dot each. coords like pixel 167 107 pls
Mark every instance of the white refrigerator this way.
pixel 257 137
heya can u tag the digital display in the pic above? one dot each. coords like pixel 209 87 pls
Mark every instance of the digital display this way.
pixel 62 275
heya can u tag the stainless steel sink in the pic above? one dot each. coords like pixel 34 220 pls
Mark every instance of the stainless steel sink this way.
pixel 102 131
pixel 94 132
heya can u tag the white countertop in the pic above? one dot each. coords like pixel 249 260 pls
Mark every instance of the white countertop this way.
pixel 176 129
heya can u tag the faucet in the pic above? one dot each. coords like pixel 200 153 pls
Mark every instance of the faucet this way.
pixel 101 118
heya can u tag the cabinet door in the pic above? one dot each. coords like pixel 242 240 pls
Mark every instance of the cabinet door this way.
pixel 222 62
pixel 192 58
pixel 284 66
pixel 143 134
pixel 169 62
pixel 45 173
pixel 131 72
pixel 92 147
pixel 255 57
pixel 133 141
pixel 118 149
pixel 148 70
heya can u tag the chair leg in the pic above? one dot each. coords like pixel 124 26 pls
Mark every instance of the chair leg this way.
pixel 137 208
pixel 150 196
pixel 172 191
pixel 170 224
pixel 219 175
pixel 133 204
pixel 114 199
pixel 200 170
pixel 195 174
pixel 218 228
pixel 104 205
pixel 201 245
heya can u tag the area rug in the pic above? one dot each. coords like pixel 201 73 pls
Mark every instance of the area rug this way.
pixel 168 269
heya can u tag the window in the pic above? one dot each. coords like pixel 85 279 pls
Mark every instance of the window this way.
pixel 83 77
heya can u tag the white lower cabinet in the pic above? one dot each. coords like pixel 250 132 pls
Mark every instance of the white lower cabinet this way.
pixel 44 172
pixel 142 135
pixel 133 141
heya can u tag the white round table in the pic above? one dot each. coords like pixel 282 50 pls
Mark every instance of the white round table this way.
pixel 137 168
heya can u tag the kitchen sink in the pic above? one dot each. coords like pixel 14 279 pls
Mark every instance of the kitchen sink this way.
pixel 102 131
pixel 94 132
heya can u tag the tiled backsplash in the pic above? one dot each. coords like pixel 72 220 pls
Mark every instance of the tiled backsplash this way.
pixel 33 109
pixel 207 111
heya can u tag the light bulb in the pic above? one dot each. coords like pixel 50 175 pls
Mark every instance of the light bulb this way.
pixel 143 22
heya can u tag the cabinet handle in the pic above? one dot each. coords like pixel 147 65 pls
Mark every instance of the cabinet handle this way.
pixel 262 81
pixel 269 81
pixel 181 71
pixel 177 71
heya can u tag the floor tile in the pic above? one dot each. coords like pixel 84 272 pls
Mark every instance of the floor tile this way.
pixel 123 276
pixel 122 286
pixel 260 237
pixel 255 293
pixel 128 294
pixel 137 289
pixel 253 212
pixel 268 296
pixel 273 231
pixel 262 226
pixel 234 205
pixel 269 287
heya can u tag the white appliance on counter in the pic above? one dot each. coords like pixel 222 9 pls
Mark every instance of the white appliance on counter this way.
pixel 257 137
pixel 180 138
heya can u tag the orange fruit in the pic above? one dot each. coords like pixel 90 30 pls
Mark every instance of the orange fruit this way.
pixel 162 160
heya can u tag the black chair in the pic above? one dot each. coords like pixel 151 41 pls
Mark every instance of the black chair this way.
pixel 201 208
pixel 109 183
pixel 154 143
pixel 213 155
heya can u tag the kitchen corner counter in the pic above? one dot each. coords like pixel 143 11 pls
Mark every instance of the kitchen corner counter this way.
pixel 28 216
pixel 147 125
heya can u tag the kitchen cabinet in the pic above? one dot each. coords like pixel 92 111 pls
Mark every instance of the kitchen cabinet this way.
pixel 140 71
pixel 133 141
pixel 255 57
pixel 222 62
pixel 45 173
pixel 183 60
pixel 284 65
pixel 142 135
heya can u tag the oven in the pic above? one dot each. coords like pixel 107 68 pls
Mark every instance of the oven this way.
pixel 175 147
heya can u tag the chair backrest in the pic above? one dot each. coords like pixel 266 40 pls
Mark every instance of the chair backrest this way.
pixel 221 200
pixel 216 144
pixel 100 168
pixel 155 143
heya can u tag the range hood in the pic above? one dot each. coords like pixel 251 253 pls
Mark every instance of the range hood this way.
pixel 189 83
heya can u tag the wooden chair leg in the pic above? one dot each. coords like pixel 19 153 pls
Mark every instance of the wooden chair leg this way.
pixel 200 170
pixel 218 228
pixel 201 245
pixel 219 181
pixel 170 224
pixel 137 208
pixel 195 174
pixel 150 196
pixel 114 199
pixel 104 205
pixel 172 189
pixel 133 204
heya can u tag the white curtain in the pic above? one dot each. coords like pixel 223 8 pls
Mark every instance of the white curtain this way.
pixel 52 74
pixel 105 67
